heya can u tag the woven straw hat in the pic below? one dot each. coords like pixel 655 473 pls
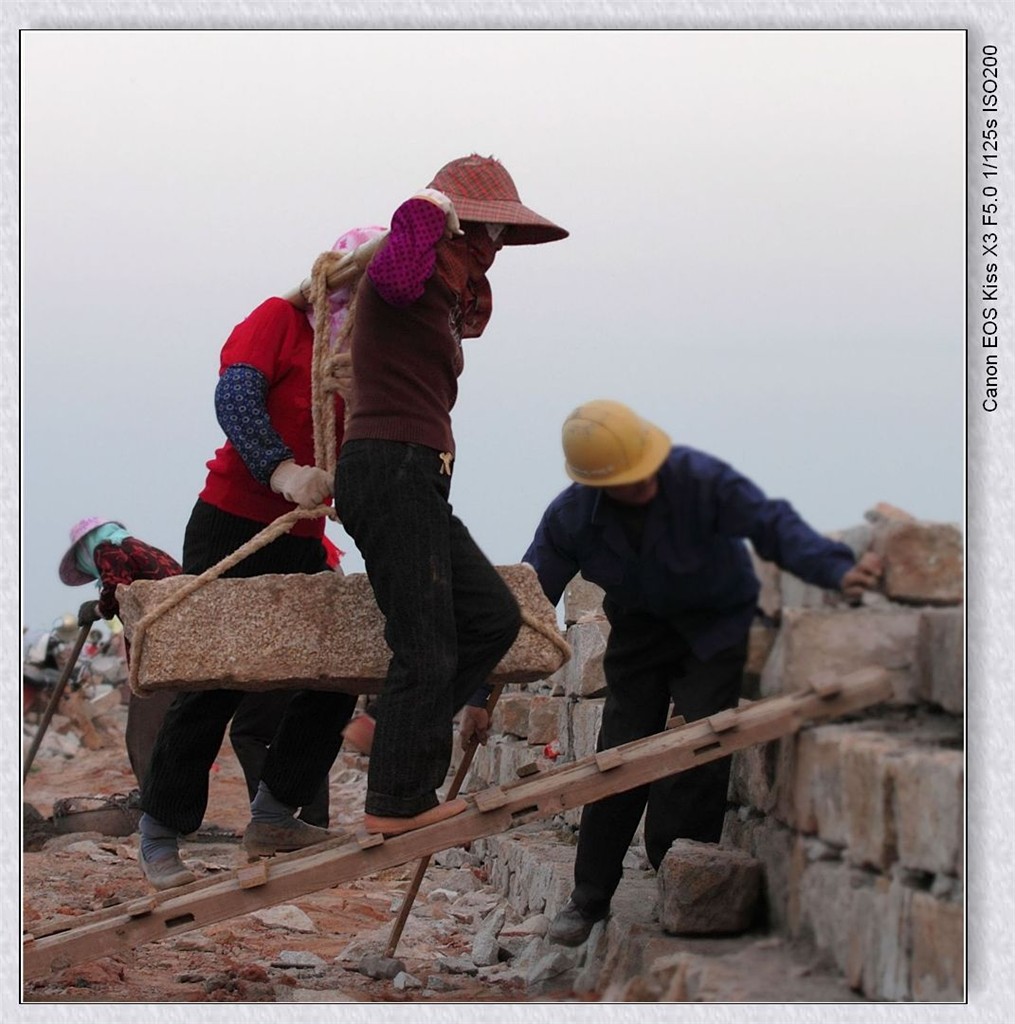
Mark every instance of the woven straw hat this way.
pixel 482 190
pixel 69 571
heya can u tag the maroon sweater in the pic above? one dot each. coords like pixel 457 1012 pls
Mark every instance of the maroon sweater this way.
pixel 406 362
pixel 130 560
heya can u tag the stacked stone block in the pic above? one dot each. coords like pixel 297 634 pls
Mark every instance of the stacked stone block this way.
pixel 857 826
pixel 860 824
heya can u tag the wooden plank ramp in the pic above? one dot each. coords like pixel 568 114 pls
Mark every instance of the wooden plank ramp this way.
pixel 54 945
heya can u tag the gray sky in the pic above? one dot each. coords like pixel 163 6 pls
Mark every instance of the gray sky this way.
pixel 766 254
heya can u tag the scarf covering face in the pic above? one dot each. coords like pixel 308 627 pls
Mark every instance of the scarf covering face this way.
pixel 111 532
pixel 338 301
pixel 462 264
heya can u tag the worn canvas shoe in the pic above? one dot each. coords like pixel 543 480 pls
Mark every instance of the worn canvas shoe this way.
pixel 396 826
pixel 166 872
pixel 572 926
pixel 263 840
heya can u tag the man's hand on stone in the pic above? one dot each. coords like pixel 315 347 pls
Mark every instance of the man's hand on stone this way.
pixel 865 575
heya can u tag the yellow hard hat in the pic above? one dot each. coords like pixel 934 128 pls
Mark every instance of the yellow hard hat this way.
pixel 606 444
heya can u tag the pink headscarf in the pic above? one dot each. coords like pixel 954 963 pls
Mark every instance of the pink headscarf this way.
pixel 339 300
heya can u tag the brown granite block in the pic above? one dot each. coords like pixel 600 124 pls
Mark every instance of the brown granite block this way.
pixel 294 631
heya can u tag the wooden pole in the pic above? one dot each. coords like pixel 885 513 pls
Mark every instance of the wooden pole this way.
pixel 54 700
pixel 456 784
pixel 345 270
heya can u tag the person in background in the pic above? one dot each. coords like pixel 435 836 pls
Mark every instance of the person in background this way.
pixel 264 469
pixel 449 615
pixel 102 551
pixel 93 645
pixel 661 529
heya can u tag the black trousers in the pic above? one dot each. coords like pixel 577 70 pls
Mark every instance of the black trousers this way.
pixel 449 616
pixel 299 733
pixel 251 731
pixel 647 665
pixel 144 719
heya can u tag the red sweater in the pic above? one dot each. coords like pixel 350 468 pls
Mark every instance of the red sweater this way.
pixel 276 340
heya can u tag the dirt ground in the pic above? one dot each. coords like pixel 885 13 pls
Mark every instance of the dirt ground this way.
pixel 309 950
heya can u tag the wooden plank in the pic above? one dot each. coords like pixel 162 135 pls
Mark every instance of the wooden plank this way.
pixel 490 799
pixel 676 722
pixel 572 785
pixel 607 759
pixel 366 839
pixel 253 875
pixel 724 720
pixel 56 925
pixel 141 907
pixel 824 684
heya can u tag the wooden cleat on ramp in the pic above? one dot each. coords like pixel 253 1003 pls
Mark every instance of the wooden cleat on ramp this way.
pixel 253 875
pixel 724 720
pixel 365 839
pixel 825 684
pixel 607 759
pixel 490 799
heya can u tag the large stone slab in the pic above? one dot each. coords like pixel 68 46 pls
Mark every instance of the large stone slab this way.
pixel 937 969
pixel 923 562
pixel 867 788
pixel 584 675
pixel 582 600
pixel 532 865
pixel 775 847
pixel 511 715
pixel 940 650
pixel 706 889
pixel 812 642
pixel 281 631
pixel 929 809
pixel 544 718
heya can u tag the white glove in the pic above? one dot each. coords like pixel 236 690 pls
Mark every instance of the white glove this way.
pixel 431 195
pixel 306 486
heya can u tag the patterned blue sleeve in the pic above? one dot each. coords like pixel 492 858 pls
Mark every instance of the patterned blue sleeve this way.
pixel 242 411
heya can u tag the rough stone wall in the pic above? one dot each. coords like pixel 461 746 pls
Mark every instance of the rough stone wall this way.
pixel 858 824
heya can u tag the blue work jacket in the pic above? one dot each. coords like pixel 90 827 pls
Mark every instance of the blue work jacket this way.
pixel 693 569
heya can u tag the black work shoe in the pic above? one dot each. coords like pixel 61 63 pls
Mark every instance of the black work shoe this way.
pixel 264 840
pixel 571 926
pixel 166 872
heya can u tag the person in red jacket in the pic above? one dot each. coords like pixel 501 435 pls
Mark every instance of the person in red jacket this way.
pixel 264 469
